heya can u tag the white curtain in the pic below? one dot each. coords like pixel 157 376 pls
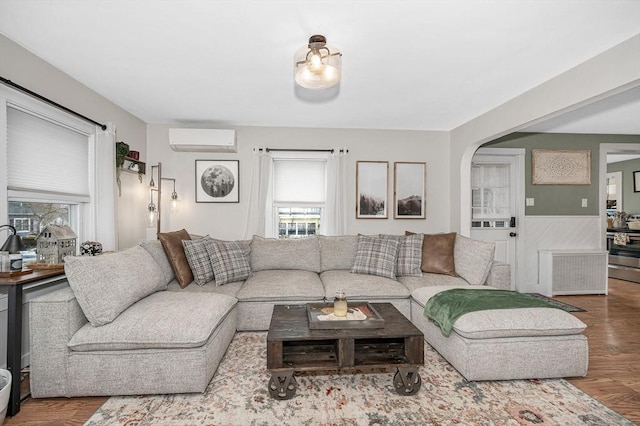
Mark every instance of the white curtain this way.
pixel 334 220
pixel 260 216
pixel 103 201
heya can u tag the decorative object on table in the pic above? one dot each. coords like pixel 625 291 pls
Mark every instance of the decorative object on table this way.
pixel 122 150
pixel 5 391
pixel 217 181
pixel 620 219
pixel 371 189
pixel 54 243
pixel 359 315
pixel 636 181
pixel 14 243
pixel 560 167
pixel 340 304
pixel 41 266
pixel 409 201
pixel 90 248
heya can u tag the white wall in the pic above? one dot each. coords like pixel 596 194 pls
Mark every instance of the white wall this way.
pixel 226 221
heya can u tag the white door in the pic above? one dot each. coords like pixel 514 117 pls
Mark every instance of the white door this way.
pixel 496 187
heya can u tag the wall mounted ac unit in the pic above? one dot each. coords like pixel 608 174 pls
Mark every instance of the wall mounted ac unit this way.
pixel 203 140
pixel 573 272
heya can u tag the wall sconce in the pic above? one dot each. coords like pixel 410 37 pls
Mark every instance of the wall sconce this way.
pixel 154 216
pixel 14 243
pixel 317 65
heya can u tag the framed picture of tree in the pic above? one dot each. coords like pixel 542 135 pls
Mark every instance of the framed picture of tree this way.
pixel 372 179
pixel 409 190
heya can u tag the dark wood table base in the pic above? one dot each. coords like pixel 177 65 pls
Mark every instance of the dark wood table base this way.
pixel 293 348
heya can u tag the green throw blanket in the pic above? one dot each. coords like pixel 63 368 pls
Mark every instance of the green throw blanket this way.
pixel 446 307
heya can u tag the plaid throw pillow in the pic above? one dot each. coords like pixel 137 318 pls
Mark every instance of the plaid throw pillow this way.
pixel 198 259
pixel 409 254
pixel 376 256
pixel 230 262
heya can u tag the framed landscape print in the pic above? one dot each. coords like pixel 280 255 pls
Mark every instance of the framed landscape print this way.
pixel 409 190
pixel 217 181
pixel 560 167
pixel 636 181
pixel 371 189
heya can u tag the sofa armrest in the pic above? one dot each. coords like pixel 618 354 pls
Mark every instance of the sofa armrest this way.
pixel 499 275
pixel 53 319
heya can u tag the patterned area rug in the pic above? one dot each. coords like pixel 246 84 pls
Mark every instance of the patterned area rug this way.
pixel 237 395
pixel 565 306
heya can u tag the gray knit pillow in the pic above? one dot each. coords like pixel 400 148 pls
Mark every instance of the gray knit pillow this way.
pixel 376 256
pixel 229 261
pixel 198 259
pixel 409 254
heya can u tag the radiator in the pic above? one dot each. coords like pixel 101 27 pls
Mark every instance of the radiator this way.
pixel 572 272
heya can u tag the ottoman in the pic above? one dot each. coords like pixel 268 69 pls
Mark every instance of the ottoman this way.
pixel 507 344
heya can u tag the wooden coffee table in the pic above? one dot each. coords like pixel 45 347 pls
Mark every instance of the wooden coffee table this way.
pixel 293 348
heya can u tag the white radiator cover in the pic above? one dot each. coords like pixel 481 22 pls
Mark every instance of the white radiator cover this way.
pixel 573 272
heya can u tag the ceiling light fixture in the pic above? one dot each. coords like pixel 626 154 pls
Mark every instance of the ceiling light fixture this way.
pixel 317 65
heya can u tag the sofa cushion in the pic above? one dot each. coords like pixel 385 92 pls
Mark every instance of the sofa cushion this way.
pixel 473 259
pixel 413 283
pixel 108 284
pixel 337 252
pixel 362 287
pixel 162 320
pixel 230 289
pixel 229 261
pixel 281 285
pixel 409 254
pixel 290 253
pixel 423 294
pixel 172 244
pixel 155 249
pixel 376 256
pixel 438 254
pixel 198 259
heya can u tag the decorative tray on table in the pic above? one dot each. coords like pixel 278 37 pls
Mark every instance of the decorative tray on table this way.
pixel 359 315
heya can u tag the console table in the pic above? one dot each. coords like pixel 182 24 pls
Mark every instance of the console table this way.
pixel 14 325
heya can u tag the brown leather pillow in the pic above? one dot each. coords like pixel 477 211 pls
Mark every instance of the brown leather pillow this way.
pixel 172 244
pixel 437 253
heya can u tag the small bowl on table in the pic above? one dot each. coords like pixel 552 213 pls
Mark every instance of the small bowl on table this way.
pixel 635 225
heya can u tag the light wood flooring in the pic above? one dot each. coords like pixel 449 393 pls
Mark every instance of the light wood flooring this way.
pixel 614 367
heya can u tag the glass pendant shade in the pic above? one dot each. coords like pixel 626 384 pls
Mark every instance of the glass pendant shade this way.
pixel 317 65
pixel 174 204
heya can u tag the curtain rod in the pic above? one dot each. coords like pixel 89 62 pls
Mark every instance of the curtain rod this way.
pixel 300 150
pixel 49 101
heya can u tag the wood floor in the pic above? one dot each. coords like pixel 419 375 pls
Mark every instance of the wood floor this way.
pixel 614 367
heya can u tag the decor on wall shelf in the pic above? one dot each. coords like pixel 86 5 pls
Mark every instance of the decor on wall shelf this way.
pixel 560 167
pixel 371 189
pixel 636 181
pixel 217 181
pixel 409 190
pixel 317 65
pixel 122 149
pixel 154 218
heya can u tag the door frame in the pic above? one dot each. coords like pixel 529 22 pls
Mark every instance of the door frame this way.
pixel 519 190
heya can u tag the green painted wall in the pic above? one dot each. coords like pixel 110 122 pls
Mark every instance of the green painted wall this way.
pixel 630 199
pixel 561 200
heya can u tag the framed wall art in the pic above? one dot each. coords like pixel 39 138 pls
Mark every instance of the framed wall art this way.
pixel 409 190
pixel 636 181
pixel 371 189
pixel 217 181
pixel 560 167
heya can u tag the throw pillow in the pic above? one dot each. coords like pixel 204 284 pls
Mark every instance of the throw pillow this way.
pixel 409 254
pixel 198 259
pixel 473 259
pixel 106 285
pixel 438 253
pixel 229 261
pixel 337 252
pixel 154 247
pixel 376 256
pixel 294 253
pixel 172 244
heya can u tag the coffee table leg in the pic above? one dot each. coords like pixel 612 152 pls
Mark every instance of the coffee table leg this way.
pixel 407 381
pixel 282 385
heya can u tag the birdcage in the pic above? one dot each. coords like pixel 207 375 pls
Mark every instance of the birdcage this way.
pixel 54 243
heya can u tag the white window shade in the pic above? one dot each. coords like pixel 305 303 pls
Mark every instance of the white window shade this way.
pixel 299 181
pixel 46 157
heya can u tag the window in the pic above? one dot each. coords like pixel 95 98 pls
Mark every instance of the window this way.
pixel 490 190
pixel 298 195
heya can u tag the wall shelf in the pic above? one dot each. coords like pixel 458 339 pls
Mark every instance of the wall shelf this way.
pixel 130 162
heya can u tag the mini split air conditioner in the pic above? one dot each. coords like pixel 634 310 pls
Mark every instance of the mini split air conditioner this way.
pixel 203 140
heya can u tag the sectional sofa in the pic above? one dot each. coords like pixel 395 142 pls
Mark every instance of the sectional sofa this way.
pixel 157 318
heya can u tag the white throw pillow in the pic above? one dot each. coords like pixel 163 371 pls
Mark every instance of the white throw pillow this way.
pixel 473 259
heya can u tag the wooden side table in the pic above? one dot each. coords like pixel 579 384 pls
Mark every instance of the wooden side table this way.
pixel 14 327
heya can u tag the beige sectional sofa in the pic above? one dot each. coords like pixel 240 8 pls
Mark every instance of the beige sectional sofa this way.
pixel 130 324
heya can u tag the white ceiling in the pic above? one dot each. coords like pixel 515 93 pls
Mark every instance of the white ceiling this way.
pixel 421 65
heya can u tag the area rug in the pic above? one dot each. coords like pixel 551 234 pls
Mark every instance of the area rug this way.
pixel 564 306
pixel 237 395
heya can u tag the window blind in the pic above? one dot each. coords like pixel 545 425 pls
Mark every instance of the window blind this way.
pixel 299 181
pixel 46 157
